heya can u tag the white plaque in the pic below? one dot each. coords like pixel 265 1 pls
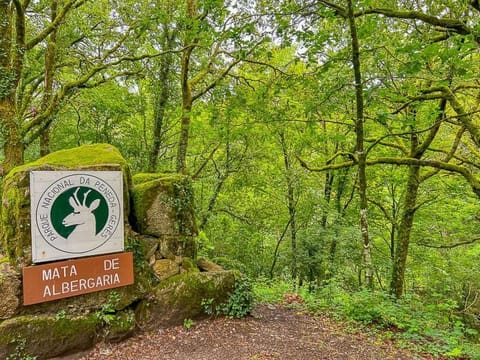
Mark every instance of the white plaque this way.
pixel 76 214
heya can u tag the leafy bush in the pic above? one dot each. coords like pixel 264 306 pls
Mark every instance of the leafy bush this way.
pixel 238 305
pixel 240 302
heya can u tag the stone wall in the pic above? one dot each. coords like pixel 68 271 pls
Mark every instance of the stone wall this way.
pixel 160 231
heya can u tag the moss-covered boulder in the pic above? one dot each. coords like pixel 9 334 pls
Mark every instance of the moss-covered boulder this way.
pixel 165 268
pixel 188 265
pixel 180 297
pixel 207 265
pixel 10 288
pixel 15 238
pixel 163 208
pixel 44 336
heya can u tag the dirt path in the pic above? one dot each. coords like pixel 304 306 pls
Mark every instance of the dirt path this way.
pixel 273 332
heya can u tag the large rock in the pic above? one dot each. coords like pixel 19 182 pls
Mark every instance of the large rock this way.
pixel 165 268
pixel 10 286
pixel 45 336
pixel 163 208
pixel 207 265
pixel 15 238
pixel 180 297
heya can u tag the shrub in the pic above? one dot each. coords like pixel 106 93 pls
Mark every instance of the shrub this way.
pixel 239 302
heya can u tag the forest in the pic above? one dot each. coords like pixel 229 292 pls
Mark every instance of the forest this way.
pixel 333 145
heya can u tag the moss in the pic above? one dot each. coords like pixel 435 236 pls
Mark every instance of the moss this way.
pixel 163 207
pixel 46 336
pixel 146 185
pixel 165 177
pixel 82 156
pixel 189 265
pixel 143 196
pixel 180 297
pixel 15 219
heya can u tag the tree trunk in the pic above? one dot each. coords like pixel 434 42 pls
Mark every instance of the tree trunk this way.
pixel 359 149
pixel 13 147
pixel 291 207
pixel 339 192
pixel 45 142
pixel 161 100
pixel 184 135
pixel 403 237
pixel 11 63
pixel 187 101
pixel 50 55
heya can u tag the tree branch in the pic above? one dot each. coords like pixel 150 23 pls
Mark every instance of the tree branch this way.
pixel 61 15
pixel 451 24
pixel 472 180
pixel 450 246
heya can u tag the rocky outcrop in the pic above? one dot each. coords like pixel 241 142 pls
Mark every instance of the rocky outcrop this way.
pixel 163 208
pixel 10 288
pixel 45 336
pixel 182 297
pixel 207 265
pixel 160 231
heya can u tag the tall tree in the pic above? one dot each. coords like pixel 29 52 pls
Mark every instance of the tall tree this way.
pixel 50 55
pixel 161 87
pixel 215 40
pixel 33 91
pixel 359 148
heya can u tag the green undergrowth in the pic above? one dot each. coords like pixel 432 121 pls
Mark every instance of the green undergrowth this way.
pixel 433 326
pixel 238 304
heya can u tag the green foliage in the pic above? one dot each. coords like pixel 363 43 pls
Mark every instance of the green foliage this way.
pixel 107 313
pixel 188 323
pixel 6 80
pixel 238 304
pixel 270 291
pixel 137 248
pixel 60 315
pixel 19 352
pixel 183 201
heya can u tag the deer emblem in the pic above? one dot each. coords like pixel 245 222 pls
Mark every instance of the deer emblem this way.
pixel 82 216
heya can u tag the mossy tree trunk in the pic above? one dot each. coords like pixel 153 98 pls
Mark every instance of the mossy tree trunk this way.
pixel 292 208
pixel 359 148
pixel 50 56
pixel 161 93
pixel 187 99
pixel 405 228
pixel 417 150
pixel 12 47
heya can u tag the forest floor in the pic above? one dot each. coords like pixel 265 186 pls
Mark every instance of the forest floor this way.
pixel 271 332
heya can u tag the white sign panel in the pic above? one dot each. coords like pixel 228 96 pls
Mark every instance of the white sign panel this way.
pixel 76 214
